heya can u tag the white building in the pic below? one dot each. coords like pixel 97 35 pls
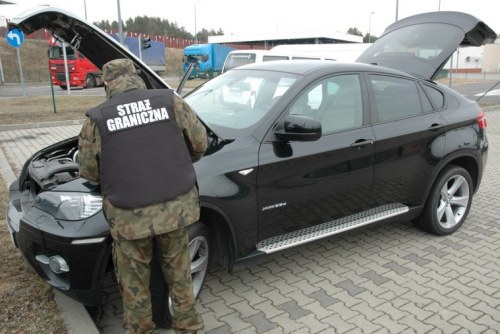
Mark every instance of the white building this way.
pixel 268 40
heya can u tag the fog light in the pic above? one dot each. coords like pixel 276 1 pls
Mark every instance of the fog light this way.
pixel 56 263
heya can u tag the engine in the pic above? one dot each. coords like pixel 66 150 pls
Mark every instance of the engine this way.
pixel 54 168
pixel 48 169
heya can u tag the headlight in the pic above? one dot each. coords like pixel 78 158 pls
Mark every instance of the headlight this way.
pixel 69 206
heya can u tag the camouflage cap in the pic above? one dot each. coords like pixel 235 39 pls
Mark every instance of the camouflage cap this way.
pixel 115 68
pixel 120 76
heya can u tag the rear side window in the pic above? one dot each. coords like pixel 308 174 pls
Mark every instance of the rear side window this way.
pixel 436 97
pixel 395 98
pixel 238 59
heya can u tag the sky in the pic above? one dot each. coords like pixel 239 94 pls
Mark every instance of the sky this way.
pixel 251 16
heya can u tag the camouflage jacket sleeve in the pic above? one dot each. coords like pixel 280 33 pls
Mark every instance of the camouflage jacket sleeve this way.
pixel 89 143
pixel 192 129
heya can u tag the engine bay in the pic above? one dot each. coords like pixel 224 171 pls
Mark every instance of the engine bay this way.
pixel 54 168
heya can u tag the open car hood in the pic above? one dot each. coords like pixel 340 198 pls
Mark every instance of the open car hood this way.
pixel 422 44
pixel 91 41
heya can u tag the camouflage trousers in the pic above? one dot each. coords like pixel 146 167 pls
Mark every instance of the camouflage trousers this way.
pixel 132 267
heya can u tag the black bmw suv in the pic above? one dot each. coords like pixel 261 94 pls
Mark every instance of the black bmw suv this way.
pixel 298 150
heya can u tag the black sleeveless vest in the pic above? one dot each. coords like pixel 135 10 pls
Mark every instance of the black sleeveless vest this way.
pixel 144 159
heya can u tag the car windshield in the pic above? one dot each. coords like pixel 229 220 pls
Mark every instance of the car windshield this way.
pixel 56 52
pixel 195 58
pixel 235 102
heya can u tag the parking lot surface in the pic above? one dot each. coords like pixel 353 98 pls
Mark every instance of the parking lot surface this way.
pixel 391 278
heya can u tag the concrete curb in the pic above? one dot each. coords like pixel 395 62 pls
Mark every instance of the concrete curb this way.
pixel 40 125
pixel 75 315
pixel 5 169
pixel 492 108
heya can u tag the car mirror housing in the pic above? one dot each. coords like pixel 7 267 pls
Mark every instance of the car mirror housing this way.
pixel 299 128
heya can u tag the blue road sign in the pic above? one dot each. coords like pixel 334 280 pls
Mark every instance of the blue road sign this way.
pixel 15 37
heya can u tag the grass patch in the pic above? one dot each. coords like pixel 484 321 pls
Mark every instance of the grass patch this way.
pixel 26 302
pixel 40 108
pixel 32 109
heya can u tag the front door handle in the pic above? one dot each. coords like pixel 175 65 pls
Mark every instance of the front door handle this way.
pixel 362 143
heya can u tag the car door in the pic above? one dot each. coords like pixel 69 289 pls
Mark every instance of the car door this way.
pixel 409 138
pixel 302 184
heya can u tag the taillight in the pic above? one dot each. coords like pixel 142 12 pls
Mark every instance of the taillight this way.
pixel 481 120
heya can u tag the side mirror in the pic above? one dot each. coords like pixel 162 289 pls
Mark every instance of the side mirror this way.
pixel 299 128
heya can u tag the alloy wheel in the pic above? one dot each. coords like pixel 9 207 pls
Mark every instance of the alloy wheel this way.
pixel 453 201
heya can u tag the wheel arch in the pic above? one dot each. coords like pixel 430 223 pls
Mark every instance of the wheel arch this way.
pixel 222 239
pixel 469 162
pixel 471 165
pixel 105 266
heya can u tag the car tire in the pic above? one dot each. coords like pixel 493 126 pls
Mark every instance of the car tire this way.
pixel 90 81
pixel 448 203
pixel 63 87
pixel 200 251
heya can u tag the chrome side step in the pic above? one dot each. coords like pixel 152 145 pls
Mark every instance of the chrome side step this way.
pixel 309 234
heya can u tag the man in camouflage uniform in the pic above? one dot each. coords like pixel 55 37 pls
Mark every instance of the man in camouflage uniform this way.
pixel 135 229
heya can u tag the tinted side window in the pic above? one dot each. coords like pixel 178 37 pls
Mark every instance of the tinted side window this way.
pixel 426 104
pixel 336 102
pixel 436 97
pixel 273 57
pixel 395 98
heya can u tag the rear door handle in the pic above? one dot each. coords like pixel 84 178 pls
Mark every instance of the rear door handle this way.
pixel 435 127
pixel 362 143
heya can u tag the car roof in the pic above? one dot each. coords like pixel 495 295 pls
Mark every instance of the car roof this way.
pixel 305 67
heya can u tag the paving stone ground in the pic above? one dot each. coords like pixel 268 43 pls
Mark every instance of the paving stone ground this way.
pixel 390 278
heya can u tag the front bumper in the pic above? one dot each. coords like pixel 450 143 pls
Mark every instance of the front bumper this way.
pixel 86 263
pixel 45 242
pixel 74 80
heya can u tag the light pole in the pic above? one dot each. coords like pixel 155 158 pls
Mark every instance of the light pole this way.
pixel 397 9
pixel 195 28
pixel 3 23
pixel 120 26
pixel 85 8
pixel 370 27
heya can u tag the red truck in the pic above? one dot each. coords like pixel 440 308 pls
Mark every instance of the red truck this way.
pixel 81 72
